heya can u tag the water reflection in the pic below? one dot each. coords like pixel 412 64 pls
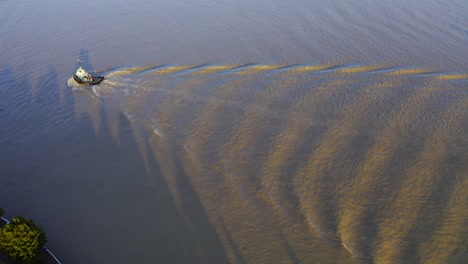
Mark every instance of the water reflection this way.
pixel 299 163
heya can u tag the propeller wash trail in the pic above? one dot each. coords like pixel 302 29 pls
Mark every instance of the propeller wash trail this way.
pixel 330 163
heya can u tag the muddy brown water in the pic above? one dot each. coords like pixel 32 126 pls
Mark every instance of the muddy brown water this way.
pixel 246 132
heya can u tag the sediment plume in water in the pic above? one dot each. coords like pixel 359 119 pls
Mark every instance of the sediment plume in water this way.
pixel 335 164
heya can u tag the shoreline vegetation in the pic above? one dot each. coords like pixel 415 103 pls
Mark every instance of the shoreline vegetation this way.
pixel 23 242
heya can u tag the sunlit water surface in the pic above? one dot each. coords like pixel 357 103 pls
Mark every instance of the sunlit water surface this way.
pixel 238 132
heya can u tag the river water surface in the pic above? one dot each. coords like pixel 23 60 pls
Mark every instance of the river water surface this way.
pixel 238 131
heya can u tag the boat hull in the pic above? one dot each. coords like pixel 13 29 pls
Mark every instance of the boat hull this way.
pixel 96 80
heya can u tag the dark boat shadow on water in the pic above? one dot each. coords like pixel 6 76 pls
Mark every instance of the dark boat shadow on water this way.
pixel 84 60
pixel 6 81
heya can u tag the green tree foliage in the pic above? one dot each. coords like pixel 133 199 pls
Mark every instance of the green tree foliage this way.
pixel 22 240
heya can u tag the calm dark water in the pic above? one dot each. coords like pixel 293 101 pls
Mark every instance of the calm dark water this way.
pixel 238 131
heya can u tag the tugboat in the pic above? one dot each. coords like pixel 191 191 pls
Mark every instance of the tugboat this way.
pixel 85 78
